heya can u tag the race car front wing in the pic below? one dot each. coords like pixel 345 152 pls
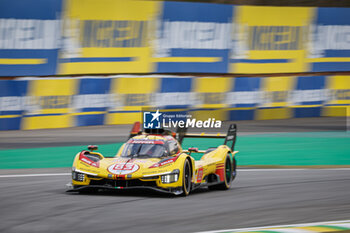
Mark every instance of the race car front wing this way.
pixel 123 184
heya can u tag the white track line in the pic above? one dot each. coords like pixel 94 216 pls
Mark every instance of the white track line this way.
pixel 273 170
pixel 32 175
pixel 279 226
pixel 239 170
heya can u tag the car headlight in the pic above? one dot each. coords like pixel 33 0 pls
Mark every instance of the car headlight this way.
pixel 78 176
pixel 170 178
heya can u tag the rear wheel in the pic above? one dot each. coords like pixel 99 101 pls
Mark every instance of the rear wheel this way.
pixel 228 176
pixel 186 178
pixel 234 171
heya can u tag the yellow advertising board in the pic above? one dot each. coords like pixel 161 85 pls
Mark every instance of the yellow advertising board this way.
pixel 270 39
pixel 131 94
pixel 50 102
pixel 108 36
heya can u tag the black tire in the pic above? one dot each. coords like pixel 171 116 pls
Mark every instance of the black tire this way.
pixel 186 178
pixel 234 166
pixel 228 176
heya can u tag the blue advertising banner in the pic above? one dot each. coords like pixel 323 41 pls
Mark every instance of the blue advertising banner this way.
pixel 309 91
pixel 330 41
pixel 244 96
pixel 92 101
pixel 174 92
pixel 30 35
pixel 193 37
pixel 12 103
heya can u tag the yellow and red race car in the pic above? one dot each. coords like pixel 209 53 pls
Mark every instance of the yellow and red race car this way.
pixel 154 159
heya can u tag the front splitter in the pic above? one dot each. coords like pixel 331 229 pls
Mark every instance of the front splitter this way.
pixel 72 188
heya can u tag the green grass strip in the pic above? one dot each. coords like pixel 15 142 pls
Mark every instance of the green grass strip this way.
pixel 293 149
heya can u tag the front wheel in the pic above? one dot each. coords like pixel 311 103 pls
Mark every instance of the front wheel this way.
pixel 186 178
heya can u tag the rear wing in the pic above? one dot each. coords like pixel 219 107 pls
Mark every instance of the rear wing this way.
pixel 181 133
pixel 230 137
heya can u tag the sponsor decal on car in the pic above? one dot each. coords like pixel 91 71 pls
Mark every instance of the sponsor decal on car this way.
pixel 88 161
pixel 220 171
pixel 146 141
pixel 152 172
pixel 120 160
pixel 123 169
pixel 138 160
pixel 84 169
pixel 199 174
pixel 164 162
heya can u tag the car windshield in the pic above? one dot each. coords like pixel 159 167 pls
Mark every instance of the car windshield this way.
pixel 143 150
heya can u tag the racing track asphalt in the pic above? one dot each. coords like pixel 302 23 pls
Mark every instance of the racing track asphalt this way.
pixel 257 198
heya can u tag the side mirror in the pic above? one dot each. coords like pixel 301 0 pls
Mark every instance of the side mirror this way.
pixel 92 147
pixel 193 149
